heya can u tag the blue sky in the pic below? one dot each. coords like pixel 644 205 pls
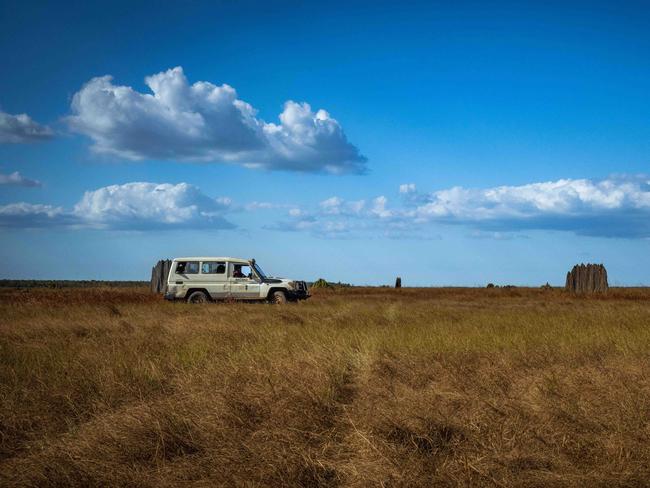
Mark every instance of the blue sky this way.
pixel 452 144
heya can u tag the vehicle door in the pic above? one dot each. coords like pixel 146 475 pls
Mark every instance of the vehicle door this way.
pixel 243 282
pixel 213 278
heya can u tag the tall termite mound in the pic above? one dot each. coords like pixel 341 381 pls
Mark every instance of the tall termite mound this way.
pixel 587 278
pixel 159 275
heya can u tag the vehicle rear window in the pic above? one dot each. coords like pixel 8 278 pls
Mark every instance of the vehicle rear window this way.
pixel 187 267
pixel 213 267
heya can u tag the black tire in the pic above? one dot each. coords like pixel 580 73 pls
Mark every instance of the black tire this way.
pixel 279 298
pixel 197 297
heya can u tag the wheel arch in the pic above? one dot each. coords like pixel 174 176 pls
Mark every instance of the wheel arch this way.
pixel 273 289
pixel 192 290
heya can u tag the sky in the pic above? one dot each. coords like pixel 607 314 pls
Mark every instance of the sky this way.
pixel 454 143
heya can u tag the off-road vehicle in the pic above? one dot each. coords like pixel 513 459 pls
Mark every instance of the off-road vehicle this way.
pixel 202 279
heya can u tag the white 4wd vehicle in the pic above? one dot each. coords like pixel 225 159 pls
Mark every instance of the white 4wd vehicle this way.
pixel 201 279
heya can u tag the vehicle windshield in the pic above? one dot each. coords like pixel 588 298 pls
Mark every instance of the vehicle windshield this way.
pixel 259 271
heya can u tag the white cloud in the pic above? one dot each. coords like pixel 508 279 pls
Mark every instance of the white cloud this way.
pixel 27 215
pixel 338 206
pixel 335 218
pixel 21 128
pixel 379 208
pixel 331 206
pixel 618 206
pixel 206 122
pixel 132 206
pixel 614 207
pixel 407 188
pixel 150 205
pixel 16 179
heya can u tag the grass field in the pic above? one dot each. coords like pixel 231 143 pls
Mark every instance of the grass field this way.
pixel 357 387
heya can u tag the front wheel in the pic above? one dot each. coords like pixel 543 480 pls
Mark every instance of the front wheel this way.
pixel 278 298
pixel 197 297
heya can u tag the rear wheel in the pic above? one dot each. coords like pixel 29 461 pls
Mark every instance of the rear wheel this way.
pixel 278 298
pixel 197 297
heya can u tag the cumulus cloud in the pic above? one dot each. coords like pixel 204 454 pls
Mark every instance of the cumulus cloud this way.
pixel 618 206
pixel 151 205
pixel 21 128
pixel 206 122
pixel 16 179
pixel 132 206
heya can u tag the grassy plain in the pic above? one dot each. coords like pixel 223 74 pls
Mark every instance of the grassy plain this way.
pixel 358 387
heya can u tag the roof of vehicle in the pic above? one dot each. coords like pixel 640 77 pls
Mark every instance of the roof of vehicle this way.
pixel 214 258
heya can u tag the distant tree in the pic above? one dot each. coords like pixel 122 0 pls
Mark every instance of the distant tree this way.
pixel 321 283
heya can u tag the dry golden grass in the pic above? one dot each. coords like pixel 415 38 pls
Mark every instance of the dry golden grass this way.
pixel 357 387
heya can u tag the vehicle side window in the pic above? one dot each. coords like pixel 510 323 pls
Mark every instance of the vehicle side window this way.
pixel 191 267
pixel 180 267
pixel 213 267
pixel 241 271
